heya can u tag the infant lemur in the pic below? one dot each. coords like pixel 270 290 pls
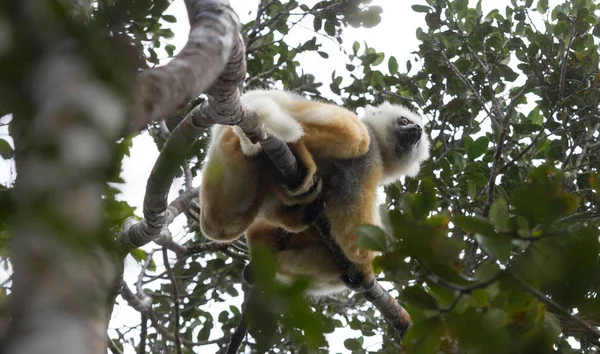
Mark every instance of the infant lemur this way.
pixel 241 192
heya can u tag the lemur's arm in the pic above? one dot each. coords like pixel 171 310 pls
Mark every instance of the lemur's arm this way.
pixel 327 130
pixel 231 193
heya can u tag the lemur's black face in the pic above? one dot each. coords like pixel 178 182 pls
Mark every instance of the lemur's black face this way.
pixel 408 134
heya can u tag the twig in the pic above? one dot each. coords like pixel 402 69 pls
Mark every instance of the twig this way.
pixel 494 171
pixel 143 333
pixel 175 295
pixel 529 147
pixel 241 330
pixel 113 346
pixel 139 285
pixel 463 79
pixel 554 307
pixel 461 289
pixel 563 69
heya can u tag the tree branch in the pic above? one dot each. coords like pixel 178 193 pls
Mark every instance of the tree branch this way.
pixel 156 213
pixel 175 296
pixel 554 307
pixel 214 30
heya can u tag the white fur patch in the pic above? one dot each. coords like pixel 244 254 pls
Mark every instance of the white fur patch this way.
pixel 380 118
pixel 248 148
pixel 271 108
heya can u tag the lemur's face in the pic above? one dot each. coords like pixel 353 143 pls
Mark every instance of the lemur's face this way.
pixel 401 137
pixel 406 134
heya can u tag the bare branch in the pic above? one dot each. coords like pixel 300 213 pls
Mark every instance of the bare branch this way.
pixel 565 58
pixel 143 333
pixel 554 307
pixel 390 308
pixel 139 285
pixel 214 30
pixel 175 297
pixel 464 80
pixel 113 347
pixel 156 213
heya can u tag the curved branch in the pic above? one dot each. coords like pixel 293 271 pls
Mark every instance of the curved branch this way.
pixel 389 307
pixel 156 213
pixel 214 30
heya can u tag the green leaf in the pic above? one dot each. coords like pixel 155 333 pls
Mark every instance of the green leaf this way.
pixel 595 182
pixel 353 344
pixel 487 271
pixel 535 116
pixel 330 28
pixel 542 6
pixel 6 151
pixel 393 65
pixel 463 64
pixel 425 336
pixel 323 54
pixel 170 49
pixel 418 297
pixel 496 246
pixel 169 18
pixel 355 47
pixel 139 255
pixel 499 214
pixel 371 237
pixel 472 189
pixel 479 147
pixel 420 8
pixel 461 7
pixel 474 225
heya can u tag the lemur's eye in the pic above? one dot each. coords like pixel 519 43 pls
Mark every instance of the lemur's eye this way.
pixel 403 121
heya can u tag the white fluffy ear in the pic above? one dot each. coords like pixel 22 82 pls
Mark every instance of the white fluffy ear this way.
pixel 370 110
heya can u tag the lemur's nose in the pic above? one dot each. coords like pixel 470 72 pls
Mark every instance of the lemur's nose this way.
pixel 414 127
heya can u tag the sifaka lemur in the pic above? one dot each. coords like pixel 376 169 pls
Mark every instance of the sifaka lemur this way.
pixel 345 161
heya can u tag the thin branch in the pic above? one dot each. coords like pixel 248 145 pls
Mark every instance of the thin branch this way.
pixel 156 213
pixel 175 296
pixel 241 330
pixel 461 289
pixel 112 346
pixel 491 188
pixel 563 69
pixel 134 302
pixel 464 80
pixel 529 147
pixel 143 333
pixel 139 285
pixel 554 307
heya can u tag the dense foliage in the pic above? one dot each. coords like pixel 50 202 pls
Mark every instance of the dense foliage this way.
pixel 494 248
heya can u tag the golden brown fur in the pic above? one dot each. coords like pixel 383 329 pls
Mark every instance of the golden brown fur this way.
pixel 241 192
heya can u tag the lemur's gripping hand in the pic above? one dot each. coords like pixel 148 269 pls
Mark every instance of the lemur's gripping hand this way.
pixel 309 188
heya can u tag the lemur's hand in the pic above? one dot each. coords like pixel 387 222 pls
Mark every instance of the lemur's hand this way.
pixel 303 195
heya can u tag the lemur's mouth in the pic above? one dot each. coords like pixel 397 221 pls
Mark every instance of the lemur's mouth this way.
pixel 410 136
